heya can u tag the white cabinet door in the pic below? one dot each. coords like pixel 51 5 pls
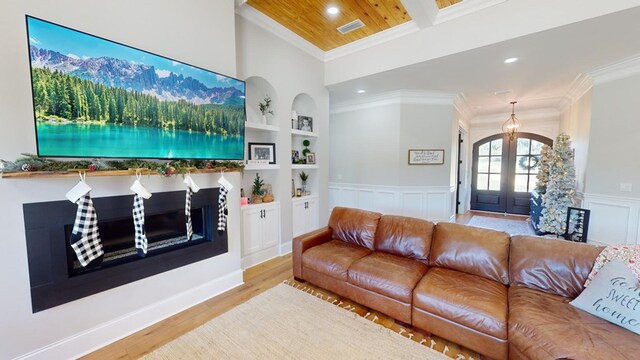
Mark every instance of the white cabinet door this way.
pixel 305 215
pixel 252 230
pixel 299 218
pixel 270 226
pixel 311 222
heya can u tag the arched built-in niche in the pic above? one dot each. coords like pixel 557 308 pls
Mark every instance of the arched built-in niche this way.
pixel 303 105
pixel 257 89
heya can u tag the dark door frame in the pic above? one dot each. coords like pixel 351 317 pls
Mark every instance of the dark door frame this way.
pixel 503 200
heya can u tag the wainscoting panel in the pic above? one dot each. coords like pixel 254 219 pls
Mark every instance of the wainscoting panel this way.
pixel 425 202
pixel 614 220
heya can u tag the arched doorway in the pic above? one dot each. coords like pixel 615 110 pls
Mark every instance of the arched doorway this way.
pixel 504 172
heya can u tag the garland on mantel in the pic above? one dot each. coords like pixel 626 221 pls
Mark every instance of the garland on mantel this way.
pixel 30 162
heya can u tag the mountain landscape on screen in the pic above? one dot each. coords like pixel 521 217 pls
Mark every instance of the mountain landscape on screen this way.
pixel 146 79
pixel 97 98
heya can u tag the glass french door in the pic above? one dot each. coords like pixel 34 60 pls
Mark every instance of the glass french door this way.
pixel 504 172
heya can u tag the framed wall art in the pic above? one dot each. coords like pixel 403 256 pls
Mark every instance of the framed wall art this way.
pixel 262 151
pixel 426 156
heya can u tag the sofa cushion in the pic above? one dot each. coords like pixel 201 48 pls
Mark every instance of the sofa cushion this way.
pixel 387 274
pixel 545 326
pixel 354 226
pixel 472 250
pixel 613 295
pixel 404 236
pixel 333 258
pixel 551 265
pixel 470 300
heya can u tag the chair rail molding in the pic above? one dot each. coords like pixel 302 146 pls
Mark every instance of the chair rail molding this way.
pixel 426 202
pixel 615 220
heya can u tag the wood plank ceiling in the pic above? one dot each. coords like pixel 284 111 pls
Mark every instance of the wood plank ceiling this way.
pixel 310 20
pixel 444 3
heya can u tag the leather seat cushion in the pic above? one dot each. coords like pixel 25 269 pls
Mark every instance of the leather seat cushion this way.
pixel 387 274
pixel 543 325
pixel 470 300
pixel 333 258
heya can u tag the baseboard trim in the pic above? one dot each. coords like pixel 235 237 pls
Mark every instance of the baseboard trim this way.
pixel 106 333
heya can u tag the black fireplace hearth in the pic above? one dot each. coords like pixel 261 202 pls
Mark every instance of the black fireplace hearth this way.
pixel 57 277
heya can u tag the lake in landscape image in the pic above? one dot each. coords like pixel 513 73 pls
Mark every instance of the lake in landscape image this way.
pixel 119 141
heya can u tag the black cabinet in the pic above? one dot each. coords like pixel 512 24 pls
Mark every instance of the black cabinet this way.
pixel 536 211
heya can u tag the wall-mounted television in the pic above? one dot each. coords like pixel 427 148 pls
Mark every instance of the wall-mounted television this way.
pixel 94 97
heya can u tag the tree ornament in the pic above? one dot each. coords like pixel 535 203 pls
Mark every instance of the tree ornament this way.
pixel 209 165
pixel 93 167
pixel 27 167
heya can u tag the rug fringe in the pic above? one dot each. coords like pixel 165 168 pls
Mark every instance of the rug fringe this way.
pixel 372 317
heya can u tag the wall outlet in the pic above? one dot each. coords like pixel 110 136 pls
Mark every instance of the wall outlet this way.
pixel 626 187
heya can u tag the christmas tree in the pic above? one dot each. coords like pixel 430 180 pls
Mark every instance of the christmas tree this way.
pixel 560 194
pixel 543 169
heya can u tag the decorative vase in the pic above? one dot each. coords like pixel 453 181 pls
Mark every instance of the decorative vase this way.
pixel 264 119
pixel 304 187
pixel 256 199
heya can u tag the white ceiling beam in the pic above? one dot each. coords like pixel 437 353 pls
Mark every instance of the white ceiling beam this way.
pixel 423 12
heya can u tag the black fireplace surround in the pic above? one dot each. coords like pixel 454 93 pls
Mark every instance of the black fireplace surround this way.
pixel 56 276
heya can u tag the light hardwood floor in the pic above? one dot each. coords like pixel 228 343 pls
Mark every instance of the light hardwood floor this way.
pixel 258 279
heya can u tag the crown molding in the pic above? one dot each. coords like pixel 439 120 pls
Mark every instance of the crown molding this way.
pixel 462 105
pixel 463 8
pixel 256 17
pixel 579 86
pixel 617 70
pixel 530 115
pixel 405 97
pixel 378 38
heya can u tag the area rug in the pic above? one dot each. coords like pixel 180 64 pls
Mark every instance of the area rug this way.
pixel 286 323
pixel 513 227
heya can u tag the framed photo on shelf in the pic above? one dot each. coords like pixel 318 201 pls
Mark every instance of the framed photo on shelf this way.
pixel 262 151
pixel 311 158
pixel 305 123
pixel 426 156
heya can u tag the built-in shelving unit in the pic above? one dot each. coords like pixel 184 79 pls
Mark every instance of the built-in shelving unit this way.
pixel 304 166
pixel 256 167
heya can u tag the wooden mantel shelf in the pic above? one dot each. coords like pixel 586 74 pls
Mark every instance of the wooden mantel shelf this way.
pixel 67 174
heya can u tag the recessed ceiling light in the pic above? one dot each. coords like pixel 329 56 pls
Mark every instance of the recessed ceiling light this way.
pixel 333 10
pixel 361 91
pixel 510 60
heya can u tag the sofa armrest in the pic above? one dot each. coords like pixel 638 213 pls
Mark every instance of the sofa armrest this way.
pixel 306 241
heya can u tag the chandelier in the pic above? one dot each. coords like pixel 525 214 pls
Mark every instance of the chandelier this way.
pixel 511 126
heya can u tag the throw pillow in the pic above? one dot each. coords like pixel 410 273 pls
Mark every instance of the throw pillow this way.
pixel 613 295
pixel 629 254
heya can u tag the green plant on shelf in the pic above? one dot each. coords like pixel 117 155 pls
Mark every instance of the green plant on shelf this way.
pixel 306 150
pixel 304 177
pixel 265 107
pixel 257 185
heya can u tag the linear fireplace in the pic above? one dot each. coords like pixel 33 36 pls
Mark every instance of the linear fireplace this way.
pixel 56 275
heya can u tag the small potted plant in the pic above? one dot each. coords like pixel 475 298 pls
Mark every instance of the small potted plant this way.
pixel 265 108
pixel 257 190
pixel 304 177
pixel 306 150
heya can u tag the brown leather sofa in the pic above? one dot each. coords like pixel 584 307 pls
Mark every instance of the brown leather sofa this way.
pixel 504 297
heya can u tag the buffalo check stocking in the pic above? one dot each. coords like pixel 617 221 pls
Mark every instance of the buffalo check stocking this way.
pixel 187 213
pixel 85 238
pixel 223 212
pixel 138 222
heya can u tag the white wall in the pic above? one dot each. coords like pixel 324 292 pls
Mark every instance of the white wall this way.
pixel 369 146
pixel 198 32
pixel 365 146
pixel 576 122
pixel 613 149
pixel 615 130
pixel 290 72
